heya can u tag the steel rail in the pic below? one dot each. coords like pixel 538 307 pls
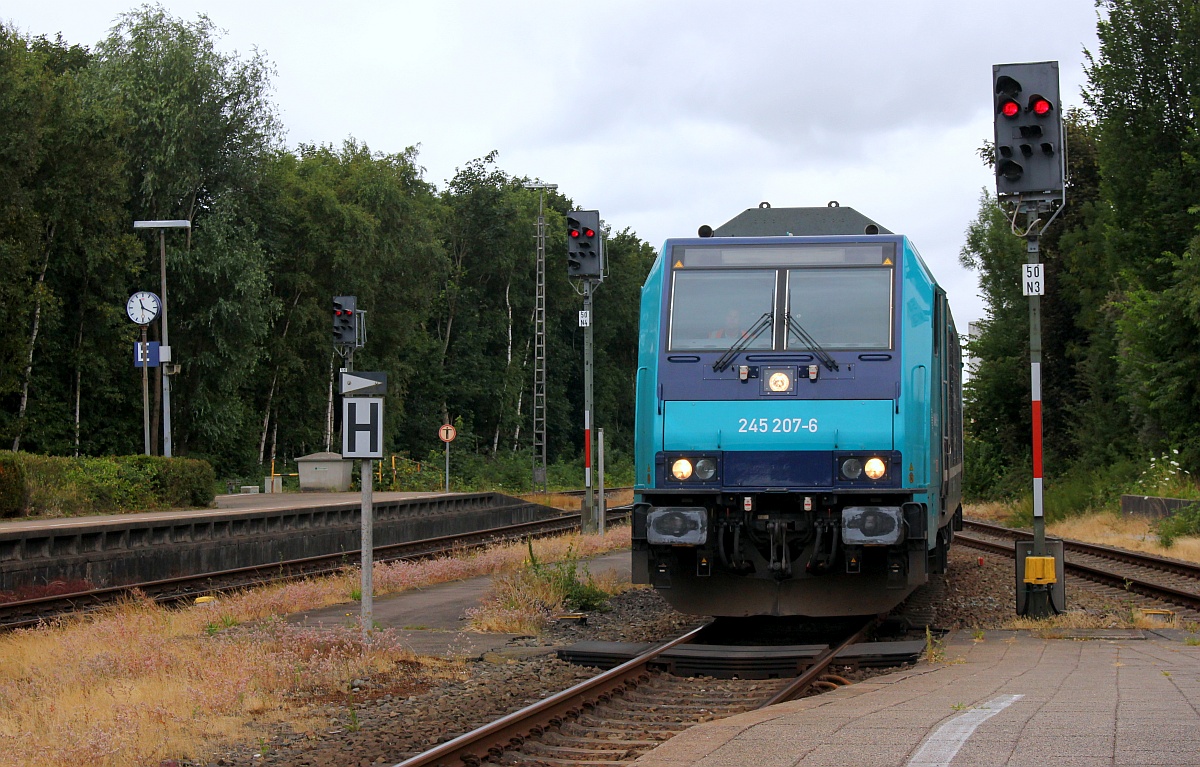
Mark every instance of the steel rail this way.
pixel 819 665
pixel 1141 559
pixel 511 731
pixel 1183 597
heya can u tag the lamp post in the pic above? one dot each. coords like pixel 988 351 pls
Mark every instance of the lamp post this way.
pixel 164 346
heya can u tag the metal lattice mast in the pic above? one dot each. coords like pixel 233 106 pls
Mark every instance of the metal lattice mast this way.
pixel 539 349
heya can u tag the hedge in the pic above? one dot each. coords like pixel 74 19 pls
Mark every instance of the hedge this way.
pixel 53 486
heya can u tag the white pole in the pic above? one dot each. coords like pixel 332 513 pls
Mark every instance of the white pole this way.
pixel 600 471
pixel 166 344
pixel 368 545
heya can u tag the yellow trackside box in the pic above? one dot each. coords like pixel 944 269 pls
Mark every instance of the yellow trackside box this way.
pixel 1040 570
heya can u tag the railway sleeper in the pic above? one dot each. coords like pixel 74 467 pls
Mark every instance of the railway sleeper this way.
pixel 579 754
pixel 653 727
pixel 594 742
pixel 635 720
pixel 671 698
pixel 577 730
pixel 519 758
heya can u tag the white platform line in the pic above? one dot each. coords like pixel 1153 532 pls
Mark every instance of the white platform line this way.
pixel 943 744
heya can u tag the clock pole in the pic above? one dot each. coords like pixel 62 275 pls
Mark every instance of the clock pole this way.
pixel 165 346
pixel 145 354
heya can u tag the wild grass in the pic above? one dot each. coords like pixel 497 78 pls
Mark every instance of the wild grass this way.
pixel 139 683
pixel 524 600
pixel 1105 528
pixel 574 502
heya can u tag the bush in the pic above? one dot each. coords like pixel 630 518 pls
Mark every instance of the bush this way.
pixel 85 485
pixel 1184 522
pixel 14 493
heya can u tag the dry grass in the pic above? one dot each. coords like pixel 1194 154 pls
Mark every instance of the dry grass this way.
pixel 574 502
pixel 139 683
pixel 524 600
pixel 1102 528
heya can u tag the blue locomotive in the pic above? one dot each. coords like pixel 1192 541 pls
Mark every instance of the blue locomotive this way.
pixel 799 418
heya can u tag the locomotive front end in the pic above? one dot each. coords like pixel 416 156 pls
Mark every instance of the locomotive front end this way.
pixel 785 435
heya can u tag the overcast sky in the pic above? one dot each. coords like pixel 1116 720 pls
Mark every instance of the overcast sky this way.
pixel 663 115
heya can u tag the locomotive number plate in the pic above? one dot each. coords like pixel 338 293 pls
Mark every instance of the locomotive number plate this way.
pixel 777 425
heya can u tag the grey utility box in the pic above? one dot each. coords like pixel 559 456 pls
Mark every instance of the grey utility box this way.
pixel 325 472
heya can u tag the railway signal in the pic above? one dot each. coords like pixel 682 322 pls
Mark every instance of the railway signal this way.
pixel 1030 156
pixel 1030 176
pixel 345 324
pixel 583 244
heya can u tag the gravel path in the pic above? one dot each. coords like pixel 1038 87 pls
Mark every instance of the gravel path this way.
pixel 386 721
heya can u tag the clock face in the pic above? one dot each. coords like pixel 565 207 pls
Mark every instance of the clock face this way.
pixel 143 307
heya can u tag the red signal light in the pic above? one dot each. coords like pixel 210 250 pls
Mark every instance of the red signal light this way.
pixel 1010 108
pixel 589 233
pixel 1041 107
pixel 573 234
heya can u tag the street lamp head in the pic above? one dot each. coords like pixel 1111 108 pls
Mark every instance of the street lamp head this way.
pixel 171 224
pixel 540 185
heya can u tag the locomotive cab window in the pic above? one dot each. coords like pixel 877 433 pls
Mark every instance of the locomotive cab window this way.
pixel 711 309
pixel 841 308
pixel 840 295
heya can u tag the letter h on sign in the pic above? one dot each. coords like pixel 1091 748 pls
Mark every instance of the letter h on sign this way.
pixel 362 427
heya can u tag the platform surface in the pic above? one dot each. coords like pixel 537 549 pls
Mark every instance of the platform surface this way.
pixel 221 505
pixel 1128 698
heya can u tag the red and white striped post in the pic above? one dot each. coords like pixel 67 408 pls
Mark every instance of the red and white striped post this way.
pixel 1037 599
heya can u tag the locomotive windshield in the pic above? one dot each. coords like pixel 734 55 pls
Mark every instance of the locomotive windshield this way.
pixel 842 308
pixel 711 309
pixel 841 295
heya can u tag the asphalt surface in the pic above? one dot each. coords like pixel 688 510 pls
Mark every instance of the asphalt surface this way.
pixel 432 620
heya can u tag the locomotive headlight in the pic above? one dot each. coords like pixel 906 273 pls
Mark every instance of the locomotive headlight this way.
pixel 706 469
pixel 875 468
pixel 852 468
pixel 681 469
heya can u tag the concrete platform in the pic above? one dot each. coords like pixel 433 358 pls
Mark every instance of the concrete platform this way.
pixel 432 620
pixel 1128 698
pixel 244 531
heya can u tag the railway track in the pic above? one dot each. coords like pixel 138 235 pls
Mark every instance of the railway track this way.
pixel 622 713
pixel 30 612
pixel 1170 580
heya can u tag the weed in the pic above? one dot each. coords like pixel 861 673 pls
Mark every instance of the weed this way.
pixel 224 622
pixel 934 651
pixel 1192 641
pixel 960 707
pixel 354 725
pixel 977 635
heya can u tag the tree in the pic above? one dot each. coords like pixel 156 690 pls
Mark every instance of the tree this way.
pixel 199 127
pixel 1144 87
pixel 62 245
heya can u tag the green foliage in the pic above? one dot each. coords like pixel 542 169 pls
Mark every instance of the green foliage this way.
pixel 14 493
pixel 1081 489
pixel 71 486
pixel 160 123
pixel 578 592
pixel 1184 522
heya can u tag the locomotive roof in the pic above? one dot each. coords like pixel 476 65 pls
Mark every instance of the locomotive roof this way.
pixel 798 222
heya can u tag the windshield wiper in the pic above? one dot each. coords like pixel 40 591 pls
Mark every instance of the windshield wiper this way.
pixel 802 334
pixel 745 340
